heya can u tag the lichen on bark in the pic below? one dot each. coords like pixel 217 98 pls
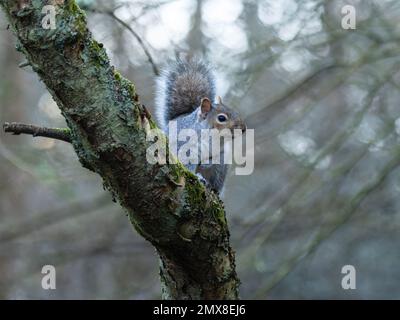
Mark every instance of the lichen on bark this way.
pixel 166 204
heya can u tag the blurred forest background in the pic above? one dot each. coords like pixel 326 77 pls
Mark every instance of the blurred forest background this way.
pixel 324 103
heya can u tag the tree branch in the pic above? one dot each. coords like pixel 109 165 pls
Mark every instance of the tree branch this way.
pixel 138 39
pixel 16 128
pixel 166 204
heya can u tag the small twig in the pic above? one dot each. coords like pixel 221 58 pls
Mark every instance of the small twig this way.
pixel 141 43
pixel 24 64
pixel 16 128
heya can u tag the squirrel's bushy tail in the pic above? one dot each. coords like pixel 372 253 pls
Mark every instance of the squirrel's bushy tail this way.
pixel 181 87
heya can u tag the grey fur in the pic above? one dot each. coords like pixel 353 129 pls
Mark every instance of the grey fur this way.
pixel 180 89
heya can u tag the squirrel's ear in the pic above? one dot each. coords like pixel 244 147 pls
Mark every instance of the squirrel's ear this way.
pixel 219 99
pixel 205 105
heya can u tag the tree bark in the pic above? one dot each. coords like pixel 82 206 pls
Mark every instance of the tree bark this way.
pixel 166 204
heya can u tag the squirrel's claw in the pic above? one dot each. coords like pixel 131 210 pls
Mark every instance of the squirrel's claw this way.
pixel 206 183
pixel 202 180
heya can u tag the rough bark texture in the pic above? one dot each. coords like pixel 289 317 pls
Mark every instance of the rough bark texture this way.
pixel 166 204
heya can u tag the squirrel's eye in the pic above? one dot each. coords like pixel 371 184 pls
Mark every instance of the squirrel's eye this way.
pixel 222 118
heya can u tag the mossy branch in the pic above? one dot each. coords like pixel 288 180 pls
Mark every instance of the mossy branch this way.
pixel 166 204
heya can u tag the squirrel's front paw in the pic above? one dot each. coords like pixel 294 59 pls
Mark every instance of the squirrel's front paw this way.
pixel 206 183
pixel 202 180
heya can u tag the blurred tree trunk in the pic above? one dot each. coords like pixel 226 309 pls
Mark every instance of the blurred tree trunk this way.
pixel 166 204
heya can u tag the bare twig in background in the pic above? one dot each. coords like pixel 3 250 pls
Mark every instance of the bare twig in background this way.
pixel 327 230
pixel 24 227
pixel 139 40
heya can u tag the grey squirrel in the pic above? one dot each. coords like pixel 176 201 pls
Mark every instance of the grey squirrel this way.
pixel 186 94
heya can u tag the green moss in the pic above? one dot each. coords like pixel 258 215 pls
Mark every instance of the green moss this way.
pixel 95 46
pixel 117 75
pixel 128 87
pixel 132 91
pixel 219 213
pixel 80 24
pixel 65 130
pixel 198 193
pixel 73 7
pixel 152 123
pixel 98 53
pixel 72 13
